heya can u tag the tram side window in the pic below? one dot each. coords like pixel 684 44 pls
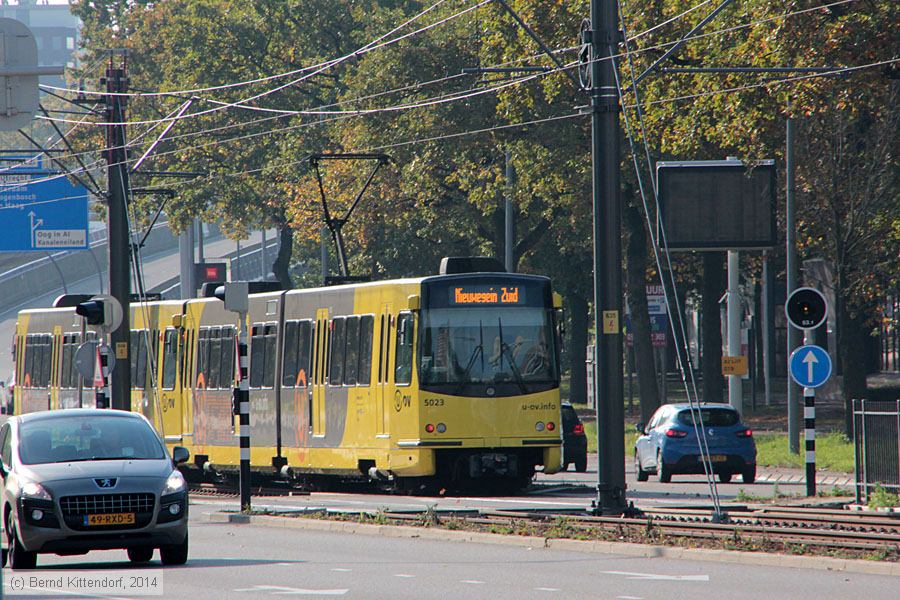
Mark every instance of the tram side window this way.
pixel 203 356
pixel 133 341
pixel 404 355
pixel 289 354
pixel 366 326
pixel 170 358
pixel 351 355
pixel 257 355
pixel 271 339
pixel 47 360
pixel 65 374
pixel 226 375
pixel 140 361
pixel 215 358
pixel 338 340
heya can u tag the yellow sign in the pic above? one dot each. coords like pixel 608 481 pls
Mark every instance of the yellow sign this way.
pixel 122 350
pixel 610 322
pixel 734 365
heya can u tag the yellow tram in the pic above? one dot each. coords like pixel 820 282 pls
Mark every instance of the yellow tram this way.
pixel 448 380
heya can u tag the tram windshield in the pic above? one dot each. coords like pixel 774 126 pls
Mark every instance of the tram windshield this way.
pixel 509 350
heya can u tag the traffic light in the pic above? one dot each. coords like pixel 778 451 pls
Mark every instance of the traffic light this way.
pixel 806 308
pixel 206 272
pixel 101 311
pixel 93 311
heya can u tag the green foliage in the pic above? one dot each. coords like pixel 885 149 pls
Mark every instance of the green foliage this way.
pixel 881 498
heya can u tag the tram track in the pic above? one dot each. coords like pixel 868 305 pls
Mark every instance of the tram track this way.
pixel 760 527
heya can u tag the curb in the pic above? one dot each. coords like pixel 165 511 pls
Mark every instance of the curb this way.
pixel 819 563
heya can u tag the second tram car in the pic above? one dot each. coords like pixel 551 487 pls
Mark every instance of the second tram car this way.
pixel 443 381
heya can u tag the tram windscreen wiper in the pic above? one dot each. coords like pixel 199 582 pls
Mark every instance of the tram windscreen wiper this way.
pixel 505 351
pixel 476 351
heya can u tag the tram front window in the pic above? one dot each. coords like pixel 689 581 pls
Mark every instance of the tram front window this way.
pixel 465 351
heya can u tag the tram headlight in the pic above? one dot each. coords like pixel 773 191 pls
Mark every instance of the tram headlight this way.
pixel 539 426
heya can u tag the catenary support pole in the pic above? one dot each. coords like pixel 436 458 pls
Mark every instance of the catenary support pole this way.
pixel 791 275
pixel 264 256
pixel 735 385
pixel 186 259
pixel 607 233
pixel 509 228
pixel 118 233
pixel 768 326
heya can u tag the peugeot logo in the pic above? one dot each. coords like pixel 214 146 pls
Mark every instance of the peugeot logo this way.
pixel 109 482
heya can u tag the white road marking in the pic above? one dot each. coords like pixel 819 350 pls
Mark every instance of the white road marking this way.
pixel 473 581
pixel 338 569
pixel 548 589
pixel 403 575
pixel 629 598
pixel 655 577
pixel 279 590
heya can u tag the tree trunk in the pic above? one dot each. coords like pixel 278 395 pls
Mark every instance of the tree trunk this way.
pixel 578 339
pixel 711 359
pixel 636 281
pixel 282 264
pixel 851 342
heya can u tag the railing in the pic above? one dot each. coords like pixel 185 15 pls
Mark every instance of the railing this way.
pixel 876 435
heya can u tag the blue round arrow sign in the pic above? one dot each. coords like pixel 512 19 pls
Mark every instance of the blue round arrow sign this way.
pixel 810 366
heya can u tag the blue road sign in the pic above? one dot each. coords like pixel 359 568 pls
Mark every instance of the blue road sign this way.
pixel 41 210
pixel 810 366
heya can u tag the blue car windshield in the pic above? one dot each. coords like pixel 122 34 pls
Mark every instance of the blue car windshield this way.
pixel 77 438
pixel 712 417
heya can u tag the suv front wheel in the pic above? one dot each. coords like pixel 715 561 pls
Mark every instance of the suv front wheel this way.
pixel 176 554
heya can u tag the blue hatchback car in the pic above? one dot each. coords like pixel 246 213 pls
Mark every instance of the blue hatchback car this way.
pixel 668 445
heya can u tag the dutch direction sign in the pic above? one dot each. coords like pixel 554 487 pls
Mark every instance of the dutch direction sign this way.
pixel 810 366
pixel 41 210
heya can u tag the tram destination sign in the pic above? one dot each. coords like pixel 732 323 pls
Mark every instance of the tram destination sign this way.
pixel 41 211
pixel 487 294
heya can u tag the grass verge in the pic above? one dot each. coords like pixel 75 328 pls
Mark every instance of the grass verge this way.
pixel 834 452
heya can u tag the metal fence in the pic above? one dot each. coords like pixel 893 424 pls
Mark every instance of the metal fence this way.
pixel 876 434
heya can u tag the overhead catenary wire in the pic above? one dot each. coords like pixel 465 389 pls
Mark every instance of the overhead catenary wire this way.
pixel 659 46
pixel 684 360
pixel 355 54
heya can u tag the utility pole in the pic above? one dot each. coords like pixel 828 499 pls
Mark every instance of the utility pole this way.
pixel 118 232
pixel 793 406
pixel 604 36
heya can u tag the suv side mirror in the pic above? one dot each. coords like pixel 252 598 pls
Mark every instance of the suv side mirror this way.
pixel 640 428
pixel 180 455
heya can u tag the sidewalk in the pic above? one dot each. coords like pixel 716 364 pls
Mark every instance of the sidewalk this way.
pixel 798 476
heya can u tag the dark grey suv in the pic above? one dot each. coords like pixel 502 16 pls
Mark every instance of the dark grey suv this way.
pixel 79 480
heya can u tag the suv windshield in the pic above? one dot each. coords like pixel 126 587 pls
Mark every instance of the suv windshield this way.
pixel 464 346
pixel 77 438
pixel 712 417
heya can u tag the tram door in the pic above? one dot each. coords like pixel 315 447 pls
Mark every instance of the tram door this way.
pixel 317 416
pixel 169 392
pixel 382 392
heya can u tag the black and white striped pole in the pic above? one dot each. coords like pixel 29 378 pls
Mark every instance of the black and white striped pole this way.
pixel 235 296
pixel 102 397
pixel 809 433
pixel 243 406
pixel 809 366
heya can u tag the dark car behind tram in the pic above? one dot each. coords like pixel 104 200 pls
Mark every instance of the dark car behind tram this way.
pixel 574 439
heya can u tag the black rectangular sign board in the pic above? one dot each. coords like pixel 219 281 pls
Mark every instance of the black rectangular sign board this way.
pixel 717 205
